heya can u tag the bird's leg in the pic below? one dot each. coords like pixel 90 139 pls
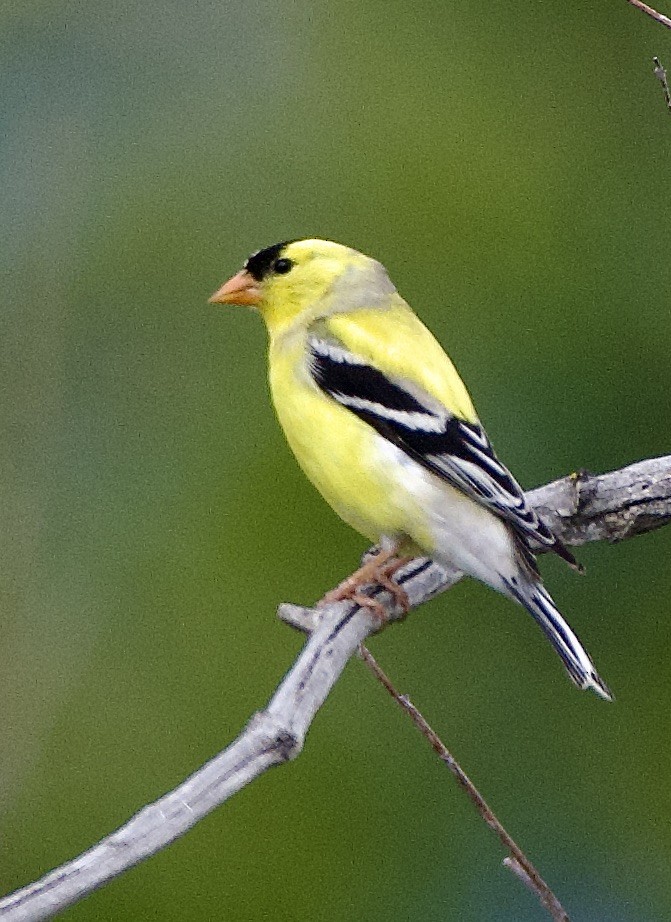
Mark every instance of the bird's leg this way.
pixel 377 569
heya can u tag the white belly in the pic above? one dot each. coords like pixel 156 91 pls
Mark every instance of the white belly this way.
pixel 448 525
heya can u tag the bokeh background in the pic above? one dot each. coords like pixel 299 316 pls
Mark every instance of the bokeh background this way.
pixel 509 164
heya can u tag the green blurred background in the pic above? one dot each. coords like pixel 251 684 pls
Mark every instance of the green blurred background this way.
pixel 510 167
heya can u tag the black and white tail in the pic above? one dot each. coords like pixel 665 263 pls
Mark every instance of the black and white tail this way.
pixel 537 601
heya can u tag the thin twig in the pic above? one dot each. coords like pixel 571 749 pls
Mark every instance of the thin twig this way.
pixel 579 508
pixel 648 10
pixel 659 70
pixel 660 73
pixel 517 861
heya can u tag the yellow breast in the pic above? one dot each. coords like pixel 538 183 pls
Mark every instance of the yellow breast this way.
pixel 337 451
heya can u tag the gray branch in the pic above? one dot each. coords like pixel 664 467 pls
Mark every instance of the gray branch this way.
pixel 580 508
pixel 652 13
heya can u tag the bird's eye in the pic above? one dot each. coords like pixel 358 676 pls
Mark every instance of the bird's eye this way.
pixel 282 265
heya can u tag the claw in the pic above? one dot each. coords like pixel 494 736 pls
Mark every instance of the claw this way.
pixel 377 609
pixel 384 578
pixel 379 570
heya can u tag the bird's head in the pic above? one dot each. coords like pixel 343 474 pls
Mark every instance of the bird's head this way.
pixel 298 281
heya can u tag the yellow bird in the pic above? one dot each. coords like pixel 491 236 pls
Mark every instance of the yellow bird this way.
pixel 381 423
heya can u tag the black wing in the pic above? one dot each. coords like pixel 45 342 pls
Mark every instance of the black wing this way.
pixel 457 451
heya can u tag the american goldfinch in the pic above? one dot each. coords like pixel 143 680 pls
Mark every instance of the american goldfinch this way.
pixel 382 425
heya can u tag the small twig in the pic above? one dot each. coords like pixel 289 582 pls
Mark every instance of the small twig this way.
pixel 517 861
pixel 660 73
pixel 648 10
pixel 659 70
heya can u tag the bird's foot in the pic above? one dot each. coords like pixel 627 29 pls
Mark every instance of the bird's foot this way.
pixel 384 578
pixel 379 570
pixel 377 609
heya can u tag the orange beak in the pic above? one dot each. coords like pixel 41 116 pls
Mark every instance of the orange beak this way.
pixel 241 289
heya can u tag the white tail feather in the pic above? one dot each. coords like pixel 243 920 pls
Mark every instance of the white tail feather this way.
pixel 538 602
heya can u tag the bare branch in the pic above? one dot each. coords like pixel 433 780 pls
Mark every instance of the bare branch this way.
pixel 272 737
pixel 581 508
pixel 516 861
pixel 610 507
pixel 648 10
pixel 548 900
pixel 660 72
